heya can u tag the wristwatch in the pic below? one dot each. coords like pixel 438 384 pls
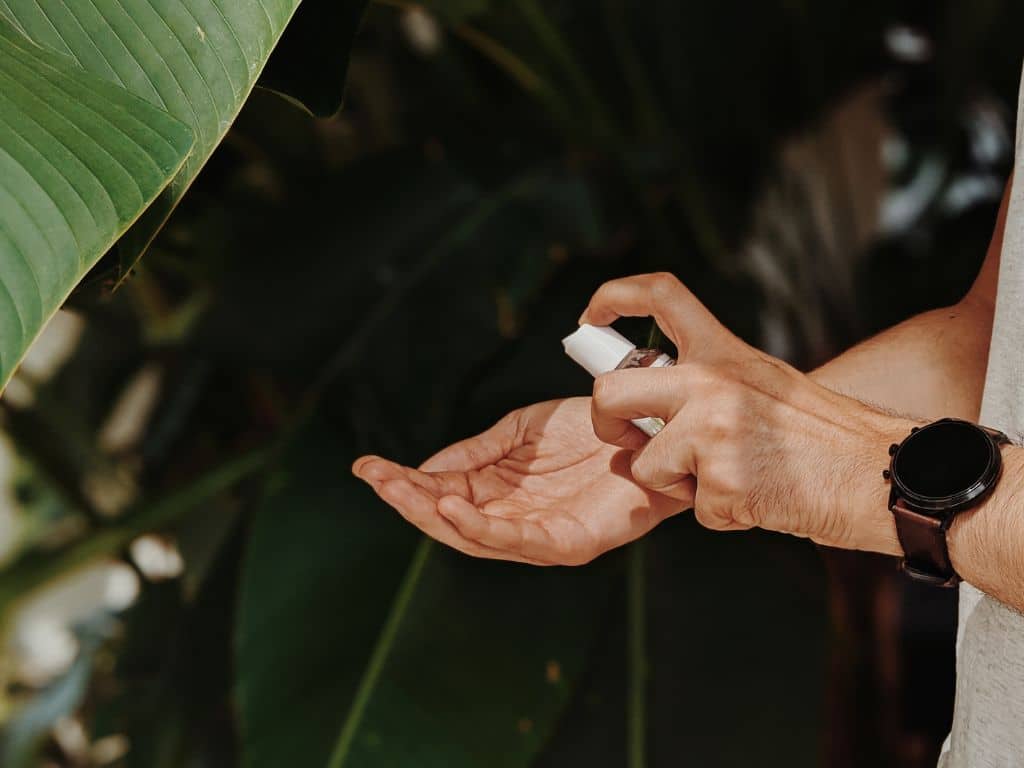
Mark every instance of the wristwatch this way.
pixel 937 472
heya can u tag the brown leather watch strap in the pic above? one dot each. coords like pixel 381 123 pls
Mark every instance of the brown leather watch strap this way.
pixel 923 539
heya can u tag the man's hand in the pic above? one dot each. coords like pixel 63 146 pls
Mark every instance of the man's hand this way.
pixel 538 487
pixel 766 446
pixel 749 441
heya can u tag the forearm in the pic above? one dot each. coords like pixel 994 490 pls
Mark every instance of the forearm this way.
pixel 930 366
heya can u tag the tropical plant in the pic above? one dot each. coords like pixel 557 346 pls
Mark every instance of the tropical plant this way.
pixel 397 275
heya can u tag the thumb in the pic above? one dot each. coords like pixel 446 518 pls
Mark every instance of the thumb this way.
pixel 667 464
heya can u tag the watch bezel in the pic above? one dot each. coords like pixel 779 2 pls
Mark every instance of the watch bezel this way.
pixel 945 507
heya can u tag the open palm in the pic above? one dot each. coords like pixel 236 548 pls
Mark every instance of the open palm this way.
pixel 537 487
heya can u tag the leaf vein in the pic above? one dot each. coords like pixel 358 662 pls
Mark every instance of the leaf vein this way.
pixel 93 42
pixel 38 152
pixel 70 51
pixel 170 70
pixel 79 129
pixel 195 66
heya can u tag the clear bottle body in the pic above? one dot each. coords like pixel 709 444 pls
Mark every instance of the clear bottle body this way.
pixel 647 358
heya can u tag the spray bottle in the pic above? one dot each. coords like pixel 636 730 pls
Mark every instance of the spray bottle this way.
pixel 599 349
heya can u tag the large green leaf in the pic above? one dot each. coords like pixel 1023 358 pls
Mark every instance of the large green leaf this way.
pixel 196 59
pixel 83 160
pixel 79 159
pixel 356 647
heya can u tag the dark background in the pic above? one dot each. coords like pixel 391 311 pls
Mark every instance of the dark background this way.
pixel 399 275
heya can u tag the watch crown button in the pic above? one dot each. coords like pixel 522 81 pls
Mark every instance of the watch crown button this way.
pixel 886 474
pixel 914 429
pixel 893 448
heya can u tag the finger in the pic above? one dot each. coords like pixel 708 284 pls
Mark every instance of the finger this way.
pixel 645 517
pixel 621 396
pixel 520 537
pixel 419 508
pixel 679 313
pixel 360 465
pixel 716 521
pixel 477 451
pixel 376 470
pixel 667 463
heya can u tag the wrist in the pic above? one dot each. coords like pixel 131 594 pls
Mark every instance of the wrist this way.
pixel 872 526
pixel 976 539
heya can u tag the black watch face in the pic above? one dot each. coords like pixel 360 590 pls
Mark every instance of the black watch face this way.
pixel 945 465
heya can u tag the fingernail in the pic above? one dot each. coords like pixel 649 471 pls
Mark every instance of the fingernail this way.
pixel 362 466
pixel 375 484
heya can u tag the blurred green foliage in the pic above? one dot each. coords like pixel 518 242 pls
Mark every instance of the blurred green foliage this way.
pixel 399 276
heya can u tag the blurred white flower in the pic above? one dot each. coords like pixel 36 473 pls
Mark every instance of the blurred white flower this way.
pixel 110 489
pixel 43 647
pixel 966 191
pixel 157 557
pixel 51 349
pixel 70 734
pixel 907 43
pixel 421 30
pixel 19 393
pixel 904 205
pixel 42 643
pixel 109 749
pixel 54 346
pixel 988 130
pixel 121 588
pixel 127 419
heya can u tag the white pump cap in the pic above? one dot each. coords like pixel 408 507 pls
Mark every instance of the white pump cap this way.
pixel 598 349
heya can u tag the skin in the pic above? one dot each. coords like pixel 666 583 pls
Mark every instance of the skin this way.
pixel 749 441
pixel 537 487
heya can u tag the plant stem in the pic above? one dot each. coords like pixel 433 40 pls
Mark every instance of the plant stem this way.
pixel 637 650
pixel 508 62
pixel 649 118
pixel 691 199
pixel 554 43
pixel 35 569
pixel 380 653
pixel 514 66
pixel 517 69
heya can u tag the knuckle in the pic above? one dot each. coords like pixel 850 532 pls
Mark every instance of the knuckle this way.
pixel 722 419
pixel 704 516
pixel 665 290
pixel 664 281
pixel 604 385
pixel 724 400
pixel 702 377
pixel 603 289
pixel 642 472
